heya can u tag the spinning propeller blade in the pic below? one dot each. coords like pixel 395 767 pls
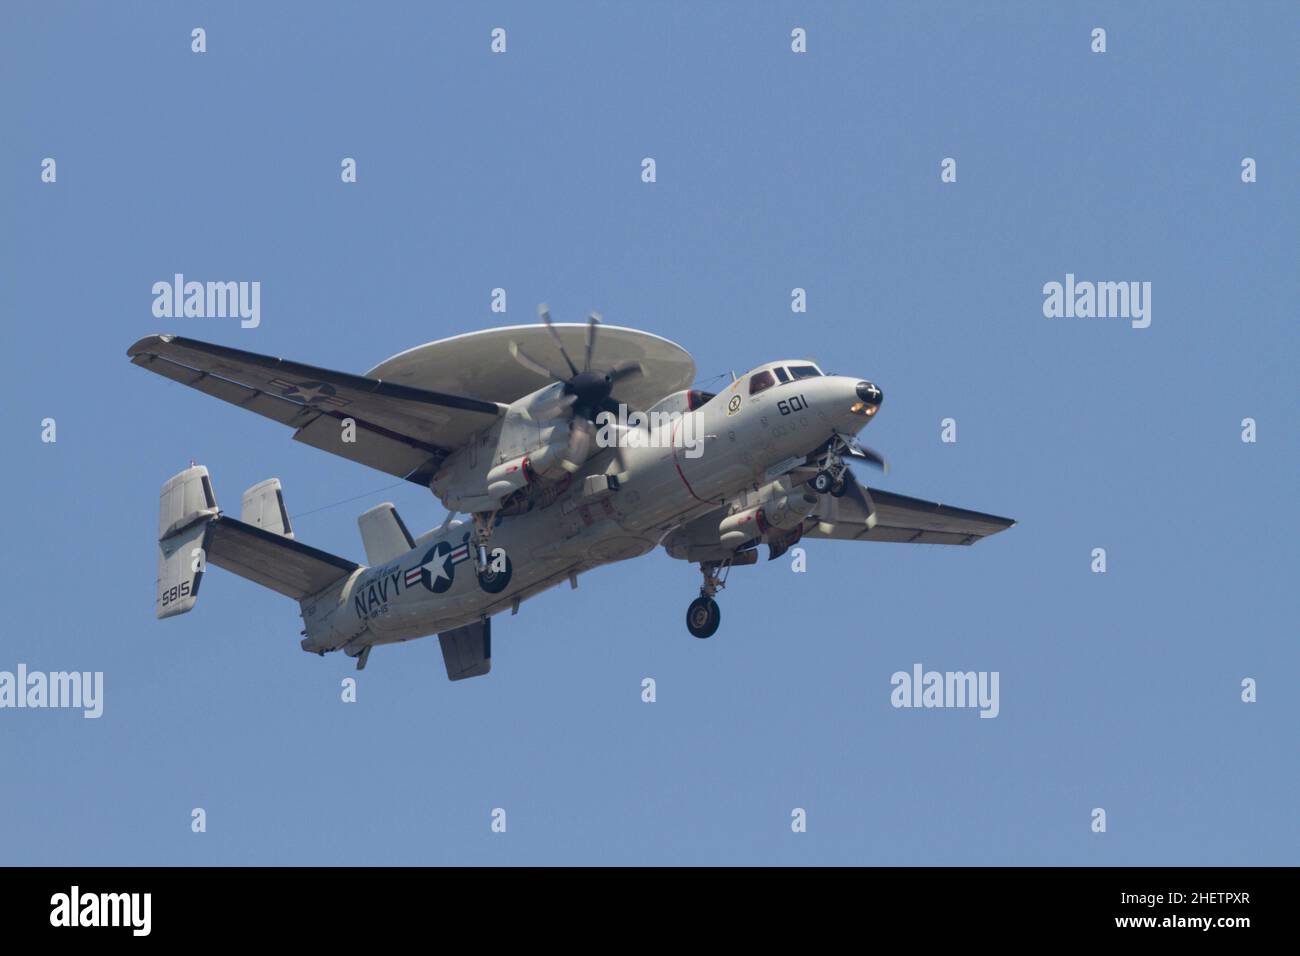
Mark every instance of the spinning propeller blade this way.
pixel 548 406
pixel 585 394
pixel 581 434
pixel 532 364
pixel 592 321
pixel 870 456
pixel 624 371
pixel 545 313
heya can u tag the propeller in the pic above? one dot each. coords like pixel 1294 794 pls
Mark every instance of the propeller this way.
pixel 549 404
pixel 853 451
pixel 870 456
pixel 585 392
pixel 858 452
pixel 828 509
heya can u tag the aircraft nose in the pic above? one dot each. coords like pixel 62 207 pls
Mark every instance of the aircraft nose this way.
pixel 869 394
pixel 869 399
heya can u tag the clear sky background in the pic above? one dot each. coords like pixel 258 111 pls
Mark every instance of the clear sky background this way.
pixel 775 170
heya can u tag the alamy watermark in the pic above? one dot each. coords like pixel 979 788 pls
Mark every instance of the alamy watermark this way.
pixel 75 908
pixel 1098 300
pixel 632 429
pixel 922 688
pixel 179 299
pixel 75 690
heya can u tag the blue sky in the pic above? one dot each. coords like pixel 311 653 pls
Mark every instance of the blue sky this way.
pixel 775 170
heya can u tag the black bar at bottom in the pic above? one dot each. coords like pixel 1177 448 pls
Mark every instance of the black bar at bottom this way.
pixel 332 906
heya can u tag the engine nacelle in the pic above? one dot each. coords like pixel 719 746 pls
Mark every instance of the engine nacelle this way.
pixel 788 511
pixel 735 530
pixel 509 476
pixel 783 512
pixel 470 482
pixel 547 461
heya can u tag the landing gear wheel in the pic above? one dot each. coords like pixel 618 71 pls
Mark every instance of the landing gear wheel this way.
pixel 703 617
pixel 839 486
pixel 822 482
pixel 495 579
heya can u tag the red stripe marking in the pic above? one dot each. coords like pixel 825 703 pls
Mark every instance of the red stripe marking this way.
pixel 677 425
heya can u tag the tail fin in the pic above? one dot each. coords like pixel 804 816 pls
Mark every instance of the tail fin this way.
pixel 384 534
pixel 192 532
pixel 263 507
pixel 186 507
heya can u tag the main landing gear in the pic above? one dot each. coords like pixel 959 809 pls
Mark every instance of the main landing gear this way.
pixel 704 615
pixel 483 521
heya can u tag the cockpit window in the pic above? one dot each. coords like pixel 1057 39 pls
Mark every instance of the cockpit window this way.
pixel 760 380
pixel 782 374
pixel 804 371
pixel 696 399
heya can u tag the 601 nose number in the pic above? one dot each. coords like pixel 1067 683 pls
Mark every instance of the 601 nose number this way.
pixel 788 405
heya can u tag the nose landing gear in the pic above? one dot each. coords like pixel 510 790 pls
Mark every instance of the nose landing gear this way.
pixel 703 616
pixel 833 474
pixel 827 481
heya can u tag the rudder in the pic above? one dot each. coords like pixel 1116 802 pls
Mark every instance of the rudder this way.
pixel 186 506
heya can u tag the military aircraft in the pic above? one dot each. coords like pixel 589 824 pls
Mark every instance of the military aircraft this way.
pixel 558 467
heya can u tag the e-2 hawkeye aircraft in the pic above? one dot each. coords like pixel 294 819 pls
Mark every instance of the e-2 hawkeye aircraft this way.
pixel 559 469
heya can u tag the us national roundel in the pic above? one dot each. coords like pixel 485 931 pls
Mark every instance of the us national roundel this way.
pixel 438 570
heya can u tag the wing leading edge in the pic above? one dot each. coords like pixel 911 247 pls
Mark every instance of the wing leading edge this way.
pixel 906 520
pixel 401 430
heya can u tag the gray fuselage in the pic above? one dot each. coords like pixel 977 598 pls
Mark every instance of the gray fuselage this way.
pixel 434 587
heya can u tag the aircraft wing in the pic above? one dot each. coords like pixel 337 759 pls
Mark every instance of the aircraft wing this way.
pixel 401 430
pixel 902 519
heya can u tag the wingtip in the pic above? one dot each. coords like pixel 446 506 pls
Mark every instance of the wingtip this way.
pixel 144 344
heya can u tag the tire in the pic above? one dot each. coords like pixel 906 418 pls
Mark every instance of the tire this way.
pixel 494 582
pixel 839 488
pixel 821 482
pixel 703 617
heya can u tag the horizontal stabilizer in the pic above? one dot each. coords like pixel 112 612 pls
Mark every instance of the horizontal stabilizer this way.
pixel 467 651
pixel 193 533
pixel 293 569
